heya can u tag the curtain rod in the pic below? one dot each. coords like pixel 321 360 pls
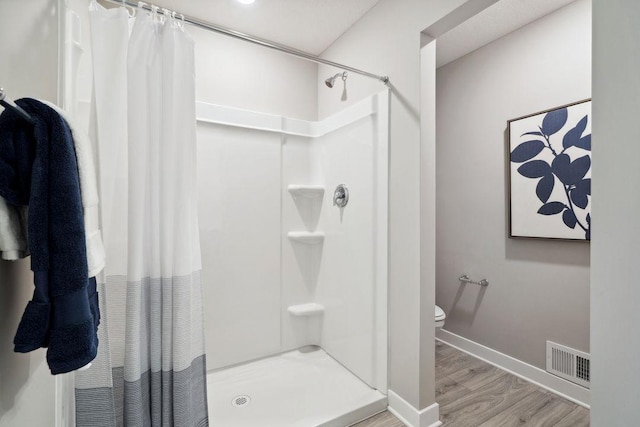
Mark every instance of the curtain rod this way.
pixel 255 40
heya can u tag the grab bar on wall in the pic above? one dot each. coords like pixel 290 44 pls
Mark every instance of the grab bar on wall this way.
pixel 465 279
pixel 4 102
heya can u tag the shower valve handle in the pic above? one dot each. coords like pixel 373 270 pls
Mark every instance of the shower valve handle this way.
pixel 341 196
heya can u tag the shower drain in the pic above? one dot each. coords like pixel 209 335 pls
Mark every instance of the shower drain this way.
pixel 241 401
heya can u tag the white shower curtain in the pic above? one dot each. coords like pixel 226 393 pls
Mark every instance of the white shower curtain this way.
pixel 150 370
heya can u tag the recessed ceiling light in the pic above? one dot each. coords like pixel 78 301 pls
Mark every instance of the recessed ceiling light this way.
pixel 246 1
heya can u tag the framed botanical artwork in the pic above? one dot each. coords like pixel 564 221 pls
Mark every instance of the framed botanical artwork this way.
pixel 549 156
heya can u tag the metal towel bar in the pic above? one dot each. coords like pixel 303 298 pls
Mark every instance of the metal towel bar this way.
pixel 465 279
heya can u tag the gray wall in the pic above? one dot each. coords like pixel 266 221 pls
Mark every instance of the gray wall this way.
pixel 539 290
pixel 387 41
pixel 615 273
pixel 28 48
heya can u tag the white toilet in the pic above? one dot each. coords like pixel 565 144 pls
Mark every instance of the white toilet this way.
pixel 440 317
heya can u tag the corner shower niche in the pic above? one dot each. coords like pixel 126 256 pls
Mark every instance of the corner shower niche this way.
pixel 284 271
pixel 308 201
pixel 307 246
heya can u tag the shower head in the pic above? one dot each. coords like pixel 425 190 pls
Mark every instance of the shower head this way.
pixel 331 80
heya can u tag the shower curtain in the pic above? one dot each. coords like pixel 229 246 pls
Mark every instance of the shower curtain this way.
pixel 150 369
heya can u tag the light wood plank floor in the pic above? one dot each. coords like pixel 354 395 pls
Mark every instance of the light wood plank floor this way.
pixel 472 393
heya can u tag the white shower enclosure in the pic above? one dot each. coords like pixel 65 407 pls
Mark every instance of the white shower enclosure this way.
pixel 295 288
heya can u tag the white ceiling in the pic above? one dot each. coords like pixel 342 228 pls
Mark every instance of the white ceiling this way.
pixel 313 25
pixel 500 19
pixel 308 25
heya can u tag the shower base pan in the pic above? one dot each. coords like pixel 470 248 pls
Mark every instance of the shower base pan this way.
pixel 294 389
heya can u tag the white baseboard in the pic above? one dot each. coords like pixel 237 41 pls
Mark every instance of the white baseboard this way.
pixel 537 376
pixel 405 412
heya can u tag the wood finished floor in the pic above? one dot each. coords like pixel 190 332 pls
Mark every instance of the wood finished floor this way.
pixel 472 393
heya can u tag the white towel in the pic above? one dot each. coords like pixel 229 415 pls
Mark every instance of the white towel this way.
pixel 88 192
pixel 13 231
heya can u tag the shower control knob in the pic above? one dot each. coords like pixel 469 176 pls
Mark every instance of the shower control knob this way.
pixel 341 196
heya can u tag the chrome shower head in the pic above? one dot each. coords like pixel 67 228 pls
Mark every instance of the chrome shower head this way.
pixel 331 80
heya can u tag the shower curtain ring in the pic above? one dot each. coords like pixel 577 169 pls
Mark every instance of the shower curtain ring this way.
pixel 130 9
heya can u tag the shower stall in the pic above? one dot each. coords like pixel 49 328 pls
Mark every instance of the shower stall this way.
pixel 295 279
pixel 293 233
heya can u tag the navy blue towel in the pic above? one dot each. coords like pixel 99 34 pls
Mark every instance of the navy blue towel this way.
pixel 38 169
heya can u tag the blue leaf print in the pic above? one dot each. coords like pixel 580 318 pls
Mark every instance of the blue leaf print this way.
pixel 536 133
pixel 579 168
pixel 569 218
pixel 551 208
pixel 573 136
pixel 570 172
pixel 579 198
pixel 554 121
pixel 526 151
pixel 561 168
pixel 585 142
pixel 584 186
pixel 545 188
pixel 535 169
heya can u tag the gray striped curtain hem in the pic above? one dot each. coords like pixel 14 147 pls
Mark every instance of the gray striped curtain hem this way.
pixel 165 398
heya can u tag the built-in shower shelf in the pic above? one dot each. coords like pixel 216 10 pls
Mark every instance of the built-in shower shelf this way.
pixel 307 237
pixel 310 309
pixel 306 190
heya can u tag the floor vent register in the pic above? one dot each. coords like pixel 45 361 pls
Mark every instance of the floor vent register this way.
pixel 568 363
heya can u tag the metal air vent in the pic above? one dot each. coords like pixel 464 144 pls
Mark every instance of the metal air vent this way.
pixel 568 363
